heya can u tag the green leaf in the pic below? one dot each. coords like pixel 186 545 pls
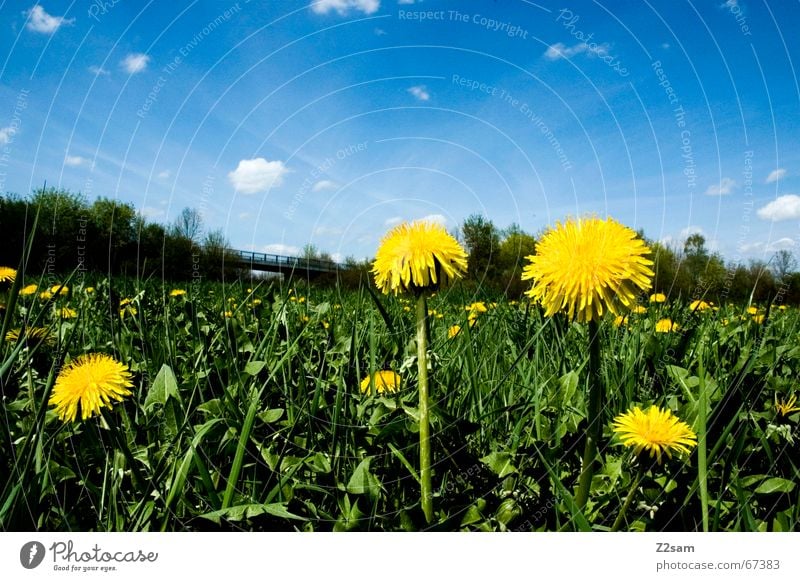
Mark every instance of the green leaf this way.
pixel 363 481
pixel 271 416
pixel 568 384
pixel 254 367
pixel 247 511
pixel 164 386
pixel 499 463
pixel 775 484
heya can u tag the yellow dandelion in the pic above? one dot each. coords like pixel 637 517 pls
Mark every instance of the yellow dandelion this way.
pixel 655 430
pixel 293 299
pixel 699 306
pixel 177 292
pixel 326 325
pixel 67 313
pixel 60 289
pixel 125 301
pixel 639 310
pixel 28 290
pixel 228 314
pixel 384 380
pixel 587 266
pixel 32 334
pixel 658 298
pixel 416 256
pixel 758 319
pixel 472 320
pixel 45 295
pixel 784 408
pixel 453 331
pixel 619 321
pixel 752 310
pixel 301 300
pixel 476 308
pixel 7 274
pixel 92 381
pixel 89 290
pixel 666 326
pixel 128 310
pixel 782 307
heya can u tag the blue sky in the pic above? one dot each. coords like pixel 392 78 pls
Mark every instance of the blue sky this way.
pixel 326 123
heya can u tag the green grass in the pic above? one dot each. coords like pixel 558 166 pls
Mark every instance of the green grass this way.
pixel 255 421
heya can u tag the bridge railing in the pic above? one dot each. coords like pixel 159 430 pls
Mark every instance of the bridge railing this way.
pixel 290 262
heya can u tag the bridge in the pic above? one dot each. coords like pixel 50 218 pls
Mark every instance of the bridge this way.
pixel 286 265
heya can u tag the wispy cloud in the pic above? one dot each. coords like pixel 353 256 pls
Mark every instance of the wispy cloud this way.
pixel 324 185
pixel 723 188
pixel 95 70
pixel 257 175
pixel 75 160
pixel 151 213
pixel 560 50
pixel 6 135
pixel 163 175
pixel 776 175
pixel 135 63
pixel 781 208
pixel 40 21
pixel 327 231
pixel 278 248
pixel 342 7
pixel 420 92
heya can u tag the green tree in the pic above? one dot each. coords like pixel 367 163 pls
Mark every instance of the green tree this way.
pixel 482 241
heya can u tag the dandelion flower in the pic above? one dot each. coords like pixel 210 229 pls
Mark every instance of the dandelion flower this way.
pixel 758 319
pixel 93 381
pixel 619 321
pixel 666 326
pixel 45 295
pixel 415 256
pixel 658 298
pixel 129 310
pixel 656 431
pixel 89 290
pixel 60 289
pixel 385 380
pixel 125 301
pixel 7 274
pixel 453 331
pixel 588 266
pixel 67 313
pixel 784 408
pixel 699 306
pixel 28 290
pixel 32 334
pixel 476 308
pixel 639 310
pixel 177 292
pixel 752 310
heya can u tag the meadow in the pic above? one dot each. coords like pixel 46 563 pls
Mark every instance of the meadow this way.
pixel 251 408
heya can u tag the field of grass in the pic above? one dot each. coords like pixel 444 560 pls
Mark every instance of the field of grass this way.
pixel 247 413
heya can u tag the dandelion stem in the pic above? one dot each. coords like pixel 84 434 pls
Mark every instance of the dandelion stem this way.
pixel 702 458
pixel 628 499
pixel 424 420
pixel 593 416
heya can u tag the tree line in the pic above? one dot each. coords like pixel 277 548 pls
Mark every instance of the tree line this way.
pixel 109 236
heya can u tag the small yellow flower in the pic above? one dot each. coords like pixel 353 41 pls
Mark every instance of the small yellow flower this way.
pixel 384 380
pixel 699 306
pixel 89 290
pixel 407 309
pixel 32 334
pixel 28 290
pixel 655 430
pixel 67 313
pixel 658 298
pixel 758 319
pixel 7 274
pixel 476 308
pixel 588 266
pixel 125 301
pixel 45 295
pixel 416 256
pixel 639 310
pixel 177 292
pixel 301 300
pixel 91 381
pixel 57 288
pixel 326 325
pixel 293 299
pixel 619 321
pixel 782 307
pixel 453 331
pixel 228 314
pixel 784 408
pixel 128 310
pixel 255 303
pixel 666 326
pixel 752 310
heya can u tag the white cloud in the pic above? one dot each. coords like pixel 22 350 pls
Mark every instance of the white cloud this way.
pixel 689 230
pixel 40 21
pixel 781 244
pixel 723 188
pixel 776 175
pixel 257 175
pixel 6 135
pixel 405 1
pixel 245 216
pixel 560 50
pixel 342 7
pixel 75 160
pixel 393 221
pixel 323 185
pixel 420 92
pixel 135 63
pixel 435 218
pixel 282 249
pixel 327 231
pixel 163 175
pixel 665 45
pixel 98 71
pixel 150 212
pixel 337 257
pixel 781 208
